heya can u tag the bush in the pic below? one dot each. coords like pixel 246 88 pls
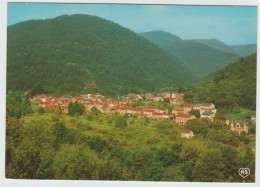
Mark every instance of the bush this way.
pixel 121 122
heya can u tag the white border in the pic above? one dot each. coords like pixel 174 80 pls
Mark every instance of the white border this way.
pixel 26 183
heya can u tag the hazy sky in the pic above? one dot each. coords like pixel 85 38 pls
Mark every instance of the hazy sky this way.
pixel 230 24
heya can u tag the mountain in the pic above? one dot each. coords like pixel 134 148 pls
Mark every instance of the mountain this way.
pixel 234 85
pixel 245 50
pixel 241 50
pixel 200 58
pixel 83 54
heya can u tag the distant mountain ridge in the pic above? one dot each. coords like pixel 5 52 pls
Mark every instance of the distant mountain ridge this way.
pixel 84 54
pixel 201 56
pixel 242 50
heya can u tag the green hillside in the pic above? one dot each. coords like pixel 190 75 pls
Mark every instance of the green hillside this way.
pixel 81 53
pixel 200 58
pixel 233 86
pixel 242 50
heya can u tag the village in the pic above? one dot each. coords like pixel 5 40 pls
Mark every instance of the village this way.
pixel 180 112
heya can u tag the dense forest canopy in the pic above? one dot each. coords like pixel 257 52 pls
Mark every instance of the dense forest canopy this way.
pixel 82 53
pixel 201 56
pixel 235 85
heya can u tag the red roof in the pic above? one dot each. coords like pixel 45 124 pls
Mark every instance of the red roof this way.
pixel 185 131
pixel 183 115
pixel 136 109
pixel 150 107
pixel 187 104
pixel 206 104
pixel 162 109
pixel 159 114
pixel 104 107
pixel 64 107
pixel 123 108
pixel 47 102
pixel 148 110
pixel 51 106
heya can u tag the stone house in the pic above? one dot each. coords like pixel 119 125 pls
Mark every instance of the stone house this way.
pixel 186 133
pixel 187 107
pixel 182 118
pixel 238 125
pixel 177 109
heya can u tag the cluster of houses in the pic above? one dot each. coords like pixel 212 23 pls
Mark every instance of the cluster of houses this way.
pixel 180 112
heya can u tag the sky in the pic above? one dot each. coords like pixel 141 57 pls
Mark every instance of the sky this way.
pixel 233 25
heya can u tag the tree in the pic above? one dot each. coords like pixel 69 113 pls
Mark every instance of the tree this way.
pixel 76 163
pixel 18 104
pixel 187 170
pixel 191 150
pixel 57 111
pixel 209 167
pixel 173 173
pixel 95 111
pixel 33 157
pixel 40 110
pixel 154 172
pixel 121 122
pixel 97 143
pixel 113 169
pixel 74 108
pixel 231 162
pixel 196 113
pixel 197 126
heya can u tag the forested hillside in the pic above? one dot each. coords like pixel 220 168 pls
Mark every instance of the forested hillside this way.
pixel 83 54
pixel 200 58
pixel 235 85
pixel 242 50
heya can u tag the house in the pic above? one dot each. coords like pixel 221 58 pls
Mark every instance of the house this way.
pixel 204 106
pixel 207 114
pixel 166 116
pixel 123 110
pixel 64 109
pixel 187 107
pixel 105 109
pixel 182 118
pixel 177 101
pixel 253 118
pixel 148 112
pixel 140 115
pixel 177 109
pixel 158 98
pixel 238 125
pixel 156 115
pixel 162 110
pixel 89 105
pixel 186 133
pixel 167 95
